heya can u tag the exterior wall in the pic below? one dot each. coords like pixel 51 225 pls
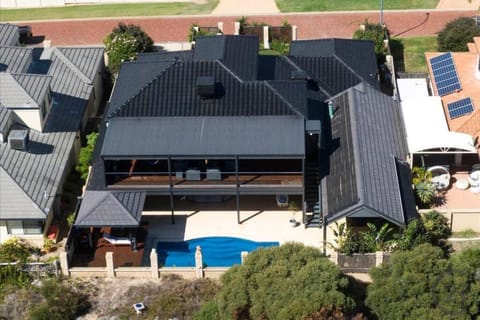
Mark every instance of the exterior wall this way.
pixel 31 118
pixel 35 239
pixel 461 219
pixel 330 237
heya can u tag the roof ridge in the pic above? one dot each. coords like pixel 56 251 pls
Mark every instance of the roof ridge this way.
pixel 114 195
pixel 231 72
pixel 348 67
pixel 22 189
pixel 148 84
pixel 72 66
pixel 275 91
pixel 22 88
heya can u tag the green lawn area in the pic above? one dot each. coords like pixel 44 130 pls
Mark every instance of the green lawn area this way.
pixel 110 10
pixel 409 52
pixel 339 5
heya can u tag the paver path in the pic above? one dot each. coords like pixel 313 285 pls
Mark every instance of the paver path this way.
pixel 459 4
pixel 310 25
pixel 245 7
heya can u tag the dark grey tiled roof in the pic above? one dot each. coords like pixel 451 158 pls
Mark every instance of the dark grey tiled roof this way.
pixel 115 209
pixel 127 85
pixel 37 86
pixel 162 56
pixel 173 93
pixel 367 137
pixel 331 74
pixel 359 55
pixel 238 54
pixel 37 171
pixel 205 136
pixel 8 34
pixel 17 59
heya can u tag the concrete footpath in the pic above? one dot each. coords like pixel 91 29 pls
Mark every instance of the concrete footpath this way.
pixel 245 7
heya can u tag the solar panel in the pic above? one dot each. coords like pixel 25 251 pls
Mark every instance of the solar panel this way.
pixel 460 108
pixel 445 75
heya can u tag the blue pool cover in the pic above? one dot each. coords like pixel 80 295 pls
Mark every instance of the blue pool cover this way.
pixel 216 251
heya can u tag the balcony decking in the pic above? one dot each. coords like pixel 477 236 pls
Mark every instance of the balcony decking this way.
pixel 230 180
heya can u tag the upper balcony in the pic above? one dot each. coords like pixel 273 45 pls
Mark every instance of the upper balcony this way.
pixel 198 175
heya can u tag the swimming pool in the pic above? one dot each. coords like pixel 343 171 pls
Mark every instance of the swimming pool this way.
pixel 216 251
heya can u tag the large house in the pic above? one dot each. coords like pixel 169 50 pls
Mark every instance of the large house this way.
pixel 46 97
pixel 221 123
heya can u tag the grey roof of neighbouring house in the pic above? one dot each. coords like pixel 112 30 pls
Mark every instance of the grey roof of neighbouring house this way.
pixel 14 95
pixel 115 209
pixel 37 86
pixel 367 138
pixel 34 173
pixel 16 59
pixel 8 34
pixel 204 136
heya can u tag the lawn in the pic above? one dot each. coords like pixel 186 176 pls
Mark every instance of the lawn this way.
pixel 110 10
pixel 339 5
pixel 409 52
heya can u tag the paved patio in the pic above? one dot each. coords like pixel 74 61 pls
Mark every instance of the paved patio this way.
pixel 255 225
pixel 455 198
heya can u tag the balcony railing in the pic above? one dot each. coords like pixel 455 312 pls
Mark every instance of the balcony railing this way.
pixel 199 178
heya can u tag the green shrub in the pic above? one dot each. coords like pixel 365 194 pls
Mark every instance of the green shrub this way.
pixel 124 43
pixel 456 34
pixel 15 250
pixel 62 302
pixel 466 233
pixel 209 311
pixel 376 33
pixel 86 155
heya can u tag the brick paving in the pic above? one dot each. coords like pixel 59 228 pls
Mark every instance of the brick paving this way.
pixel 310 25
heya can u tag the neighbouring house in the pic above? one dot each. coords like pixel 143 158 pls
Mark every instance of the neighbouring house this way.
pixel 46 98
pixel 220 124
pixel 455 78
pixel 9 35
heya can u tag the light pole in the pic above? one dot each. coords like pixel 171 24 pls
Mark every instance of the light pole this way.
pixel 381 13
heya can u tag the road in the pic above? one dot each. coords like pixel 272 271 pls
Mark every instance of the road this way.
pixel 310 25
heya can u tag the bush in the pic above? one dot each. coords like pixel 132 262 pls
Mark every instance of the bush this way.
pixel 86 155
pixel 456 35
pixel 15 250
pixel 62 302
pixel 423 284
pixel 376 33
pixel 287 282
pixel 124 44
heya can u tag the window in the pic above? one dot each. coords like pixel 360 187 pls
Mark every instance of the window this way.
pixel 19 227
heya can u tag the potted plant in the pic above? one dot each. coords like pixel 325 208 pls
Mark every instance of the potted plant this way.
pixel 292 206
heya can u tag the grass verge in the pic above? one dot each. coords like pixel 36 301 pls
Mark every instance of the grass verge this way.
pixel 409 53
pixel 108 10
pixel 339 5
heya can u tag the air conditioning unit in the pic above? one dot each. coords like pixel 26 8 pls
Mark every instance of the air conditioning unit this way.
pixel 18 139
pixel 206 87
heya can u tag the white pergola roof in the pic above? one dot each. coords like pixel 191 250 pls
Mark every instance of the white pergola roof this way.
pixel 412 88
pixel 427 128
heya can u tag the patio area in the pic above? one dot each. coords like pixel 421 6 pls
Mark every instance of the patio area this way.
pixel 456 197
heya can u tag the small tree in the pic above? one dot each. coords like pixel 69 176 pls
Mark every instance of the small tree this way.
pixel 456 34
pixel 287 282
pixel 124 44
pixel 375 32
pixel 423 284
pixel 86 154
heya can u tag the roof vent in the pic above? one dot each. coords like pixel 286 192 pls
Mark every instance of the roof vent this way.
pixel 298 75
pixel 206 87
pixel 18 139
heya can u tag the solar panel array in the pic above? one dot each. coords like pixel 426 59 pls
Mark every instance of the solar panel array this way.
pixel 445 75
pixel 460 108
